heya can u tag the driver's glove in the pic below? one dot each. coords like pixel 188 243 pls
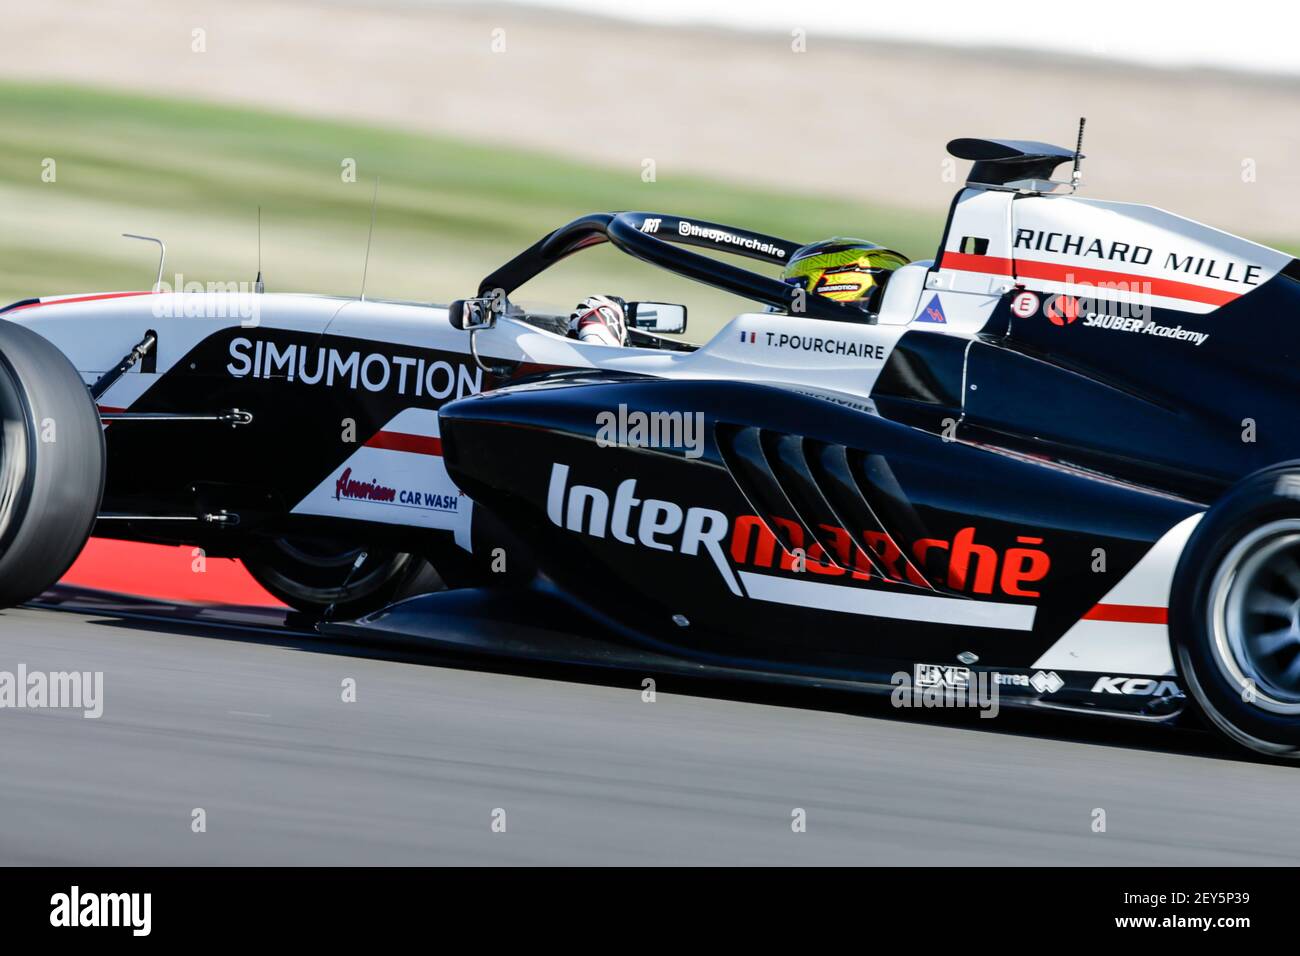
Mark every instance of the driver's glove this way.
pixel 600 320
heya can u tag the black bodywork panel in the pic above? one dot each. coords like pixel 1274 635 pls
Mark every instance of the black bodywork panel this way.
pixel 758 552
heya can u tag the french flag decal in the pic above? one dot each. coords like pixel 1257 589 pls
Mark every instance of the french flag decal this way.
pixel 750 337
pixel 933 312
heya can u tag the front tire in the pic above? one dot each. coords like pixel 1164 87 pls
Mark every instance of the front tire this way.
pixel 52 464
pixel 314 575
pixel 1234 613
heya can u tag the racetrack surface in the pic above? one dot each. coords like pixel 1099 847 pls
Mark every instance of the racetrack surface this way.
pixel 249 725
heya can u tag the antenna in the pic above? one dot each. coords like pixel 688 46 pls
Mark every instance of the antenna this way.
pixel 374 202
pixel 1077 175
pixel 162 255
pixel 259 286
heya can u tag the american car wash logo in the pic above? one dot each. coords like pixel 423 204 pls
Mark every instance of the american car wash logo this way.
pixel 346 487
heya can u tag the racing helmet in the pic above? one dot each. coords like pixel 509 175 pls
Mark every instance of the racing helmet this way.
pixel 846 270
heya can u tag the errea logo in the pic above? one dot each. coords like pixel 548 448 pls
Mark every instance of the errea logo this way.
pixel 1046 683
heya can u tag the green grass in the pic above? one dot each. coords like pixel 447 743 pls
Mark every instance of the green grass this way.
pixel 449 211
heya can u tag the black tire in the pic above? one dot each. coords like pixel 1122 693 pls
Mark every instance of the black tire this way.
pixel 1234 613
pixel 51 464
pixel 311 575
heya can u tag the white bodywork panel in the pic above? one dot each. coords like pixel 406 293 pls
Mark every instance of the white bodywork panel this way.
pixel 1099 644
pixel 397 477
pixel 1122 252
pixel 758 346
pixel 997 242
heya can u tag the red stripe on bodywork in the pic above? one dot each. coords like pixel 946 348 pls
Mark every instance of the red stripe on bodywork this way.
pixel 968 262
pixel 401 441
pixel 165 573
pixel 1054 272
pixel 78 298
pixel 1128 614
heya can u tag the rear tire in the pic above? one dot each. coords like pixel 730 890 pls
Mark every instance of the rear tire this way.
pixel 311 575
pixel 1234 613
pixel 51 464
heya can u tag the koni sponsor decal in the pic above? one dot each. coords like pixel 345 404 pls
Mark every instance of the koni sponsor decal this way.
pixel 1137 686
pixel 413 375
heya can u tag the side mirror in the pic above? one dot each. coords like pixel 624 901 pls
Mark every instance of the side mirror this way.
pixel 663 318
pixel 469 315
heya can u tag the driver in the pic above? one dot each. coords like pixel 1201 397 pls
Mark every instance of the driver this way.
pixel 600 320
pixel 846 270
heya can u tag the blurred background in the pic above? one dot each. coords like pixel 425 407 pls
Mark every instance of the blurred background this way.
pixel 490 124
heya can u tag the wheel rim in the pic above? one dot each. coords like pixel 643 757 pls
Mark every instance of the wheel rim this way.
pixel 13 455
pixel 1255 616
pixel 317 554
pixel 316 570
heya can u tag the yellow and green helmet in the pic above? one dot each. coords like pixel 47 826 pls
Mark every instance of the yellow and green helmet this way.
pixel 846 270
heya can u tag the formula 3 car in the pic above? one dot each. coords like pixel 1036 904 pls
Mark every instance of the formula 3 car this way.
pixel 1058 458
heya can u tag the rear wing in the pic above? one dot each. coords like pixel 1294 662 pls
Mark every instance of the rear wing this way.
pixel 999 162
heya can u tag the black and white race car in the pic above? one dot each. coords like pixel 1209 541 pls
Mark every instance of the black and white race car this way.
pixel 1058 459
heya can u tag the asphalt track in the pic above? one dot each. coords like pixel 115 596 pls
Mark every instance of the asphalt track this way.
pixel 250 725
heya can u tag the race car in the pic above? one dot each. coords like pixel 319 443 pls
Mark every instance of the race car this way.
pixel 1057 460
